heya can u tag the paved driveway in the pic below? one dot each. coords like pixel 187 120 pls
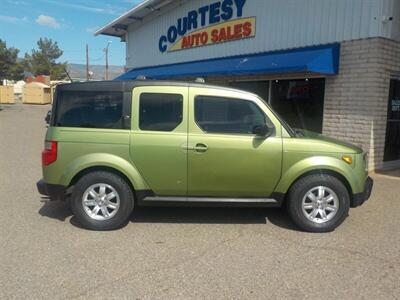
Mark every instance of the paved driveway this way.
pixel 183 253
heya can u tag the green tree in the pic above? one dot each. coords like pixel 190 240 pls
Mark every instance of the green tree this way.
pixel 43 60
pixel 10 67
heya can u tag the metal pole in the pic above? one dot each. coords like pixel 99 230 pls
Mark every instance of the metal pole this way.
pixel 107 62
pixel 87 63
pixel 106 52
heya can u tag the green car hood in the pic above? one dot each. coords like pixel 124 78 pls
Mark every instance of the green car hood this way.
pixel 344 146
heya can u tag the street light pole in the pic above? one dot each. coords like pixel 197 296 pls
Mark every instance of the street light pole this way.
pixel 106 52
pixel 87 63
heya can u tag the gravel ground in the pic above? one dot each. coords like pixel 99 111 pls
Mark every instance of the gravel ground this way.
pixel 183 253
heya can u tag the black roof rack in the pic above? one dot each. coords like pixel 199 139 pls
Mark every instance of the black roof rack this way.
pixel 128 85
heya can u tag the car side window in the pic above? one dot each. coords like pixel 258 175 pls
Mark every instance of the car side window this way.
pixel 160 111
pixel 228 115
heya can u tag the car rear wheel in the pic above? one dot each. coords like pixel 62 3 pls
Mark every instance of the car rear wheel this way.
pixel 318 203
pixel 102 201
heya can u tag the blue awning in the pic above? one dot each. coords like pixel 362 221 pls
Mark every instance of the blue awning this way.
pixel 319 59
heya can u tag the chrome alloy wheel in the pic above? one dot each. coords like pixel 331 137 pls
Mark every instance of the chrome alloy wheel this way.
pixel 320 204
pixel 100 201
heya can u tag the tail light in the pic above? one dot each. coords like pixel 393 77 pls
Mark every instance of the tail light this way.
pixel 49 154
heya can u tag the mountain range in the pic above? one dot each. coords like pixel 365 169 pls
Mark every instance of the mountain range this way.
pixel 78 71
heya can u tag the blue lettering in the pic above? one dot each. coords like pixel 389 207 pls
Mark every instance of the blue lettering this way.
pixel 239 6
pixel 214 13
pixel 161 43
pixel 172 34
pixel 203 12
pixel 182 25
pixel 226 7
pixel 192 19
pixel 222 10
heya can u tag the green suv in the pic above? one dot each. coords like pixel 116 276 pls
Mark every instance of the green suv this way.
pixel 113 145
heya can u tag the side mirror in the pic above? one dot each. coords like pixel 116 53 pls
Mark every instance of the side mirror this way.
pixel 48 117
pixel 263 130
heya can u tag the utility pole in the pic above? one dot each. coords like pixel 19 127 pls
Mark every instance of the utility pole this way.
pixel 106 51
pixel 87 63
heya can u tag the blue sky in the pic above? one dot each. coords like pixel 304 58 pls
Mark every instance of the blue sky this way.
pixel 70 23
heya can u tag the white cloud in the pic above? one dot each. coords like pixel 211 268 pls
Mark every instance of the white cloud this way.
pixel 12 19
pixel 102 10
pixel 47 21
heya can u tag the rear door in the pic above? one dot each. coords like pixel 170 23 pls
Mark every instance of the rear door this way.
pixel 224 158
pixel 159 131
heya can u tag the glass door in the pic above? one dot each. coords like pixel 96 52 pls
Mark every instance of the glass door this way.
pixel 392 143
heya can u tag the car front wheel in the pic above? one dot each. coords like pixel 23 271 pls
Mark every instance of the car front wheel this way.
pixel 318 203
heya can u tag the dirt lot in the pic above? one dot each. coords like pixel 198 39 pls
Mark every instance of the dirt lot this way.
pixel 183 253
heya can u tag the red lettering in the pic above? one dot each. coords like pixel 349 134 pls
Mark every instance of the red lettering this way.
pixel 191 39
pixel 222 35
pixel 229 33
pixel 197 38
pixel 237 29
pixel 300 89
pixel 204 38
pixel 247 30
pixel 214 35
pixel 185 42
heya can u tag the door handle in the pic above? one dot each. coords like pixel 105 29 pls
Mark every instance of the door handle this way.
pixel 200 147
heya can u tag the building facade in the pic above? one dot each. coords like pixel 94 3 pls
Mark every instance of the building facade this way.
pixel 330 66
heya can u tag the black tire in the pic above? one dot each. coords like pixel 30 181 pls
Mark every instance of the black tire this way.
pixel 126 201
pixel 300 189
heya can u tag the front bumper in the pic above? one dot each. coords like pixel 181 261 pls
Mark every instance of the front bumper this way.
pixel 360 198
pixel 53 191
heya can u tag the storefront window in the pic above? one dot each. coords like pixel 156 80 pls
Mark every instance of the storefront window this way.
pixel 259 87
pixel 392 144
pixel 299 102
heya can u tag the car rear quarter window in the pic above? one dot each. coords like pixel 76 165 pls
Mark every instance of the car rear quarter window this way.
pixel 89 109
pixel 160 111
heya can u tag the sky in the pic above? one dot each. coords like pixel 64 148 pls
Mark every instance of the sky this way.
pixel 69 22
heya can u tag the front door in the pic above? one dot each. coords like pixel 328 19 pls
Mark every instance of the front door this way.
pixel 159 129
pixel 224 158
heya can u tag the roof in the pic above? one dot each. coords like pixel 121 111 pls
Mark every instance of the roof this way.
pixel 128 85
pixel 119 26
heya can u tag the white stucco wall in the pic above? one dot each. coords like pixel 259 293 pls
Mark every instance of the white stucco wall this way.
pixel 281 24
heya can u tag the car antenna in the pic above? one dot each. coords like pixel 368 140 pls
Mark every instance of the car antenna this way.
pixel 66 72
